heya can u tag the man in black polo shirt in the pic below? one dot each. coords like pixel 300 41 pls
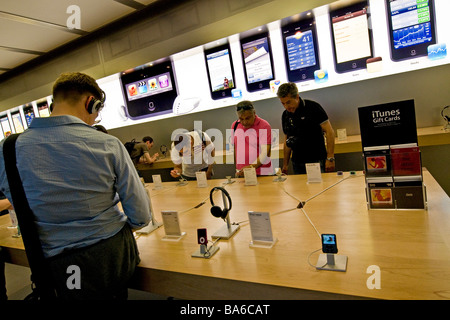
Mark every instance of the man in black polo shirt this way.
pixel 305 123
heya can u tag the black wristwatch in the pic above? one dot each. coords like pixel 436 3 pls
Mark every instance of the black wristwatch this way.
pixel 331 159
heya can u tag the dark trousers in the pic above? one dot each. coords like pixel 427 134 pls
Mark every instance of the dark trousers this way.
pixel 102 270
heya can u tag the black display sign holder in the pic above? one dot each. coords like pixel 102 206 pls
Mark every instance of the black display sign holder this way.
pixel 391 155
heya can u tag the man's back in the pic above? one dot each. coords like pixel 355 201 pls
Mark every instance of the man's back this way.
pixel 71 174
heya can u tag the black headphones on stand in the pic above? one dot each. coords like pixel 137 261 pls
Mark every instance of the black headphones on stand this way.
pixel 217 211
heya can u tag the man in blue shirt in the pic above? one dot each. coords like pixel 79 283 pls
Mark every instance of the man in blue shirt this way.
pixel 74 177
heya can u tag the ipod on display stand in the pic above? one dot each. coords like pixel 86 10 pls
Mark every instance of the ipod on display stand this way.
pixel 204 251
pixel 329 260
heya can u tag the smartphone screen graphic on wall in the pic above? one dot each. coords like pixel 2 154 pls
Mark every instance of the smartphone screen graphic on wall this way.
pixel 43 108
pixel 219 64
pixel 411 28
pixel 351 34
pixel 17 122
pixel 300 48
pixel 28 111
pixel 257 59
pixel 149 90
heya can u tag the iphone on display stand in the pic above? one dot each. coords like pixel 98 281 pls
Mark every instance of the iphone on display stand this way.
pixel 219 64
pixel 412 28
pixel 351 35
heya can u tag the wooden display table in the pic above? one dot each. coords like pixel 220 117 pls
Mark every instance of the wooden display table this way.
pixel 410 247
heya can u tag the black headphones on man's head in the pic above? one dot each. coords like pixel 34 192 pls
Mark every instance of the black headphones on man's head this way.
pixel 95 105
pixel 217 211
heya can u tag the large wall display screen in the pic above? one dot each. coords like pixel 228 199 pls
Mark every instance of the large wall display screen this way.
pixel 258 61
pixel 300 48
pixel 149 90
pixel 412 27
pixel 17 122
pixel 220 71
pixel 6 127
pixel 28 111
pixel 346 41
pixel 352 38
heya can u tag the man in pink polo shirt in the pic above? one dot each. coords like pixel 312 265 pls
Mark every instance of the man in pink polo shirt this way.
pixel 251 137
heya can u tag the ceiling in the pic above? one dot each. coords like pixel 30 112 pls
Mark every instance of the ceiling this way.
pixel 30 29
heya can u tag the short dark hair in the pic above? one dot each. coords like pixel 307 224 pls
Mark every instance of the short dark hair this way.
pixel 287 89
pixel 147 138
pixel 73 85
pixel 244 106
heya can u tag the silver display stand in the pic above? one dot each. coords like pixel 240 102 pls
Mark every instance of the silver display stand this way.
pixel 332 262
pixel 205 252
pixel 173 237
pixel 263 244
pixel 227 231
pixel 279 178
pixel 152 226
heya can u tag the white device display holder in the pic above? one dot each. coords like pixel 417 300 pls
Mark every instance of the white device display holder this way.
pixel 153 225
pixel 332 262
pixel 261 230
pixel 250 177
pixel 313 172
pixel 157 182
pixel 172 226
pixel 202 181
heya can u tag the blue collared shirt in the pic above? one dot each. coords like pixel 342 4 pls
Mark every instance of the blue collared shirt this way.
pixel 74 176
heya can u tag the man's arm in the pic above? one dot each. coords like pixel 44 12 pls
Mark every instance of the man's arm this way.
pixel 263 156
pixel 149 159
pixel 330 137
pixel 211 158
pixel 132 194
pixel 177 171
pixel 286 156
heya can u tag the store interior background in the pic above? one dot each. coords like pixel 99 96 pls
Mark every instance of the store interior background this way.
pixel 186 24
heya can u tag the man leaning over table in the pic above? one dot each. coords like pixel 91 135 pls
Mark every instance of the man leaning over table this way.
pixel 74 176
